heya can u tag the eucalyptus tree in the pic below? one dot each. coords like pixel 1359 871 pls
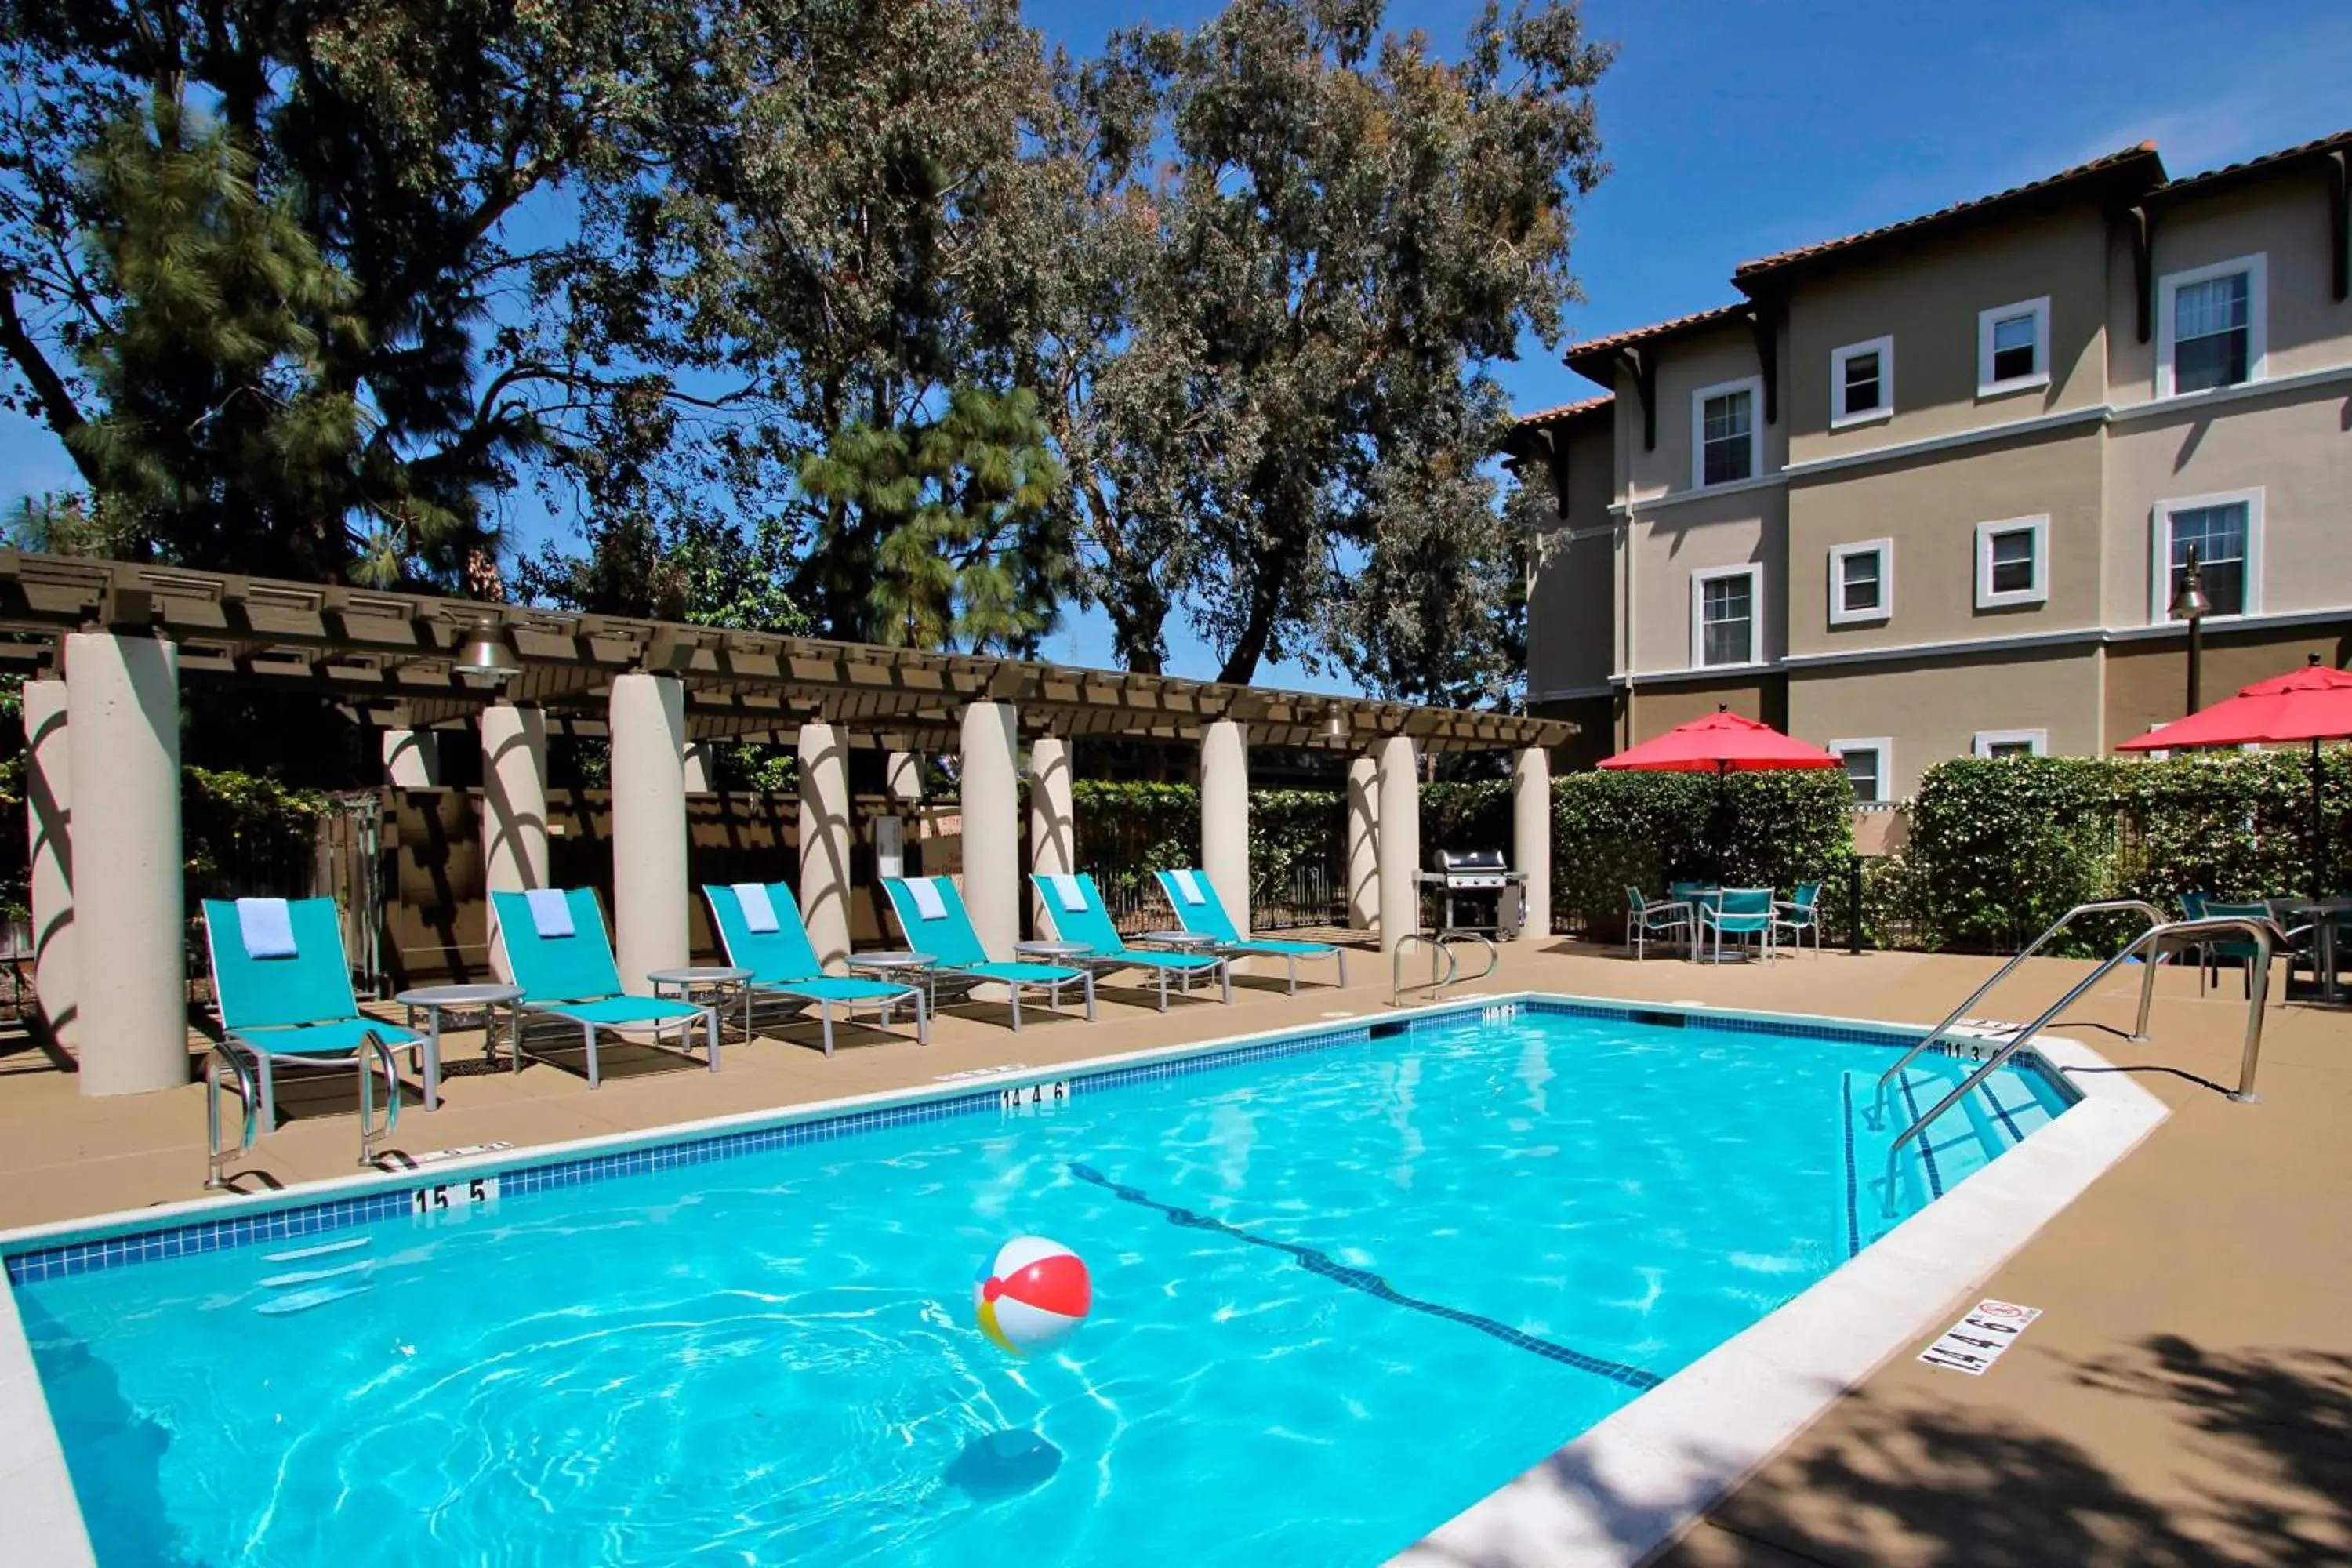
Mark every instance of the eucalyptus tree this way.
pixel 1346 232
pixel 844 262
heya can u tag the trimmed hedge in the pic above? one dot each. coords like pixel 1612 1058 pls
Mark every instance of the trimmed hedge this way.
pixel 1999 850
pixel 1610 831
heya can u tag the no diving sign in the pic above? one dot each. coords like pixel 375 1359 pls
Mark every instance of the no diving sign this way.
pixel 1978 1340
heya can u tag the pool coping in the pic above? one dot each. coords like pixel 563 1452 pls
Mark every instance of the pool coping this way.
pixel 1525 1520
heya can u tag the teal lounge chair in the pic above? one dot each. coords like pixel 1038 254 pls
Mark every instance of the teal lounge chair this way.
pixel 1198 909
pixel 292 1008
pixel 964 962
pixel 573 978
pixel 783 964
pixel 1075 908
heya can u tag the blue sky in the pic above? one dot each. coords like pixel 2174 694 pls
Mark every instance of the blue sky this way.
pixel 1737 128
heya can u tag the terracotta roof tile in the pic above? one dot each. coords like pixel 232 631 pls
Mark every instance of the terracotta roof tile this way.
pixel 2231 173
pixel 1696 319
pixel 2122 159
pixel 1564 413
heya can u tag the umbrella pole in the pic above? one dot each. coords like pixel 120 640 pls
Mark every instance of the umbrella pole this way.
pixel 2318 835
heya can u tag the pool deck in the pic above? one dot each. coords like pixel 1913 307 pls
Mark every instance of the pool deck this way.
pixel 2185 1399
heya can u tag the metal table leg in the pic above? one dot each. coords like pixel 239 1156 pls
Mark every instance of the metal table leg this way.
pixel 433 1059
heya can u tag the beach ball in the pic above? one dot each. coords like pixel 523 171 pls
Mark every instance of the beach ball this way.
pixel 1032 1294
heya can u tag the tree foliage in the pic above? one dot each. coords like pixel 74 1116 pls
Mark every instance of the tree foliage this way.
pixel 1347 231
pixel 344 178
pixel 879 314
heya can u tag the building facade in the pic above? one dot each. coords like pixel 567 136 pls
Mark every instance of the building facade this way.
pixel 1929 491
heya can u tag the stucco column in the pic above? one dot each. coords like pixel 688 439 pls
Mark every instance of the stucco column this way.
pixel 1225 817
pixel 902 777
pixel 412 759
pixel 1399 840
pixel 122 727
pixel 1363 843
pixel 1531 837
pixel 48 820
pixel 992 825
pixel 824 841
pixel 649 891
pixel 1052 820
pixel 695 763
pixel 514 809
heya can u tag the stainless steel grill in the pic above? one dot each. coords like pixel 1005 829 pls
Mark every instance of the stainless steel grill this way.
pixel 1483 875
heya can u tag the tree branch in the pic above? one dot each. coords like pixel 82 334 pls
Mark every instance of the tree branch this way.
pixel 58 405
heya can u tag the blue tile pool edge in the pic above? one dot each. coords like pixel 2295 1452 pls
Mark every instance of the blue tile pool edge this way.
pixel 37 1253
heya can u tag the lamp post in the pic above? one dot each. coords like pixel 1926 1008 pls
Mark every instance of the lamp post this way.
pixel 2190 603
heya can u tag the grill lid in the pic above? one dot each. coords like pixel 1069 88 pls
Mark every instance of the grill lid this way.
pixel 1471 860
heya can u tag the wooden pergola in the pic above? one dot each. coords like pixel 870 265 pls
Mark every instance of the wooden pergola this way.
pixel 387 658
pixel 107 646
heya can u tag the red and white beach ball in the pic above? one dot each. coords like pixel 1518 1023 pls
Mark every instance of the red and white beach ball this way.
pixel 1034 1293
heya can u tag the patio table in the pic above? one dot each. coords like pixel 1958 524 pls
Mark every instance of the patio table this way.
pixel 438 999
pixel 903 968
pixel 715 980
pixel 2325 914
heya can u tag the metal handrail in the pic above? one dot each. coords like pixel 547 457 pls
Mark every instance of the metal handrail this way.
pixel 371 1052
pixel 1494 957
pixel 2266 934
pixel 2106 906
pixel 1436 948
pixel 248 1096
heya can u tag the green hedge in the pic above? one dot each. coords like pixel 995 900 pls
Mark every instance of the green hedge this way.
pixel 1999 850
pixel 1610 831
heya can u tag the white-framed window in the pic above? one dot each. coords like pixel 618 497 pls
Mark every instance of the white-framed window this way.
pixel 1869 767
pixel 2209 325
pixel 1862 383
pixel 1998 744
pixel 2013 347
pixel 2226 530
pixel 1728 432
pixel 1862 582
pixel 2012 562
pixel 1727 616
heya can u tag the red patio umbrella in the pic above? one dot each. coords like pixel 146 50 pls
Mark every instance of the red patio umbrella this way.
pixel 2313 704
pixel 1721 743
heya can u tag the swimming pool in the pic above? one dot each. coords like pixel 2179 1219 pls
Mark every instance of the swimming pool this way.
pixel 1346 1285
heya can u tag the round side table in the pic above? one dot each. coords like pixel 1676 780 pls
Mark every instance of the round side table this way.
pixel 713 980
pixel 486 999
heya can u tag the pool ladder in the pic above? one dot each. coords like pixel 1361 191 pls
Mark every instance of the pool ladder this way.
pixel 1441 950
pixel 2267 937
pixel 227 1059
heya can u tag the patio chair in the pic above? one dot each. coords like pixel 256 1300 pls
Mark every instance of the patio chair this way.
pixel 1075 908
pixel 934 920
pixel 1798 913
pixel 2210 953
pixel 1645 919
pixel 557 953
pixel 1198 909
pixel 284 989
pixel 1740 912
pixel 759 925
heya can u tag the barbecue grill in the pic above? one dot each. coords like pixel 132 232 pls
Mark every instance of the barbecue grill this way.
pixel 1482 874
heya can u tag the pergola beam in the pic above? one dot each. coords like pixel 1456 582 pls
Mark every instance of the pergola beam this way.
pixel 375 651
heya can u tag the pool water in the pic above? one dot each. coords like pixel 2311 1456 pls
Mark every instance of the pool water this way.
pixel 1338 1296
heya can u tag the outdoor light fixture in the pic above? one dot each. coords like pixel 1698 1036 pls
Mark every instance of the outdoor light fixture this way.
pixel 487 653
pixel 2191 603
pixel 1335 724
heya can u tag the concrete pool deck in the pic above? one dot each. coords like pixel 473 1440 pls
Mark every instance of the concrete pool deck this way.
pixel 2186 1398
